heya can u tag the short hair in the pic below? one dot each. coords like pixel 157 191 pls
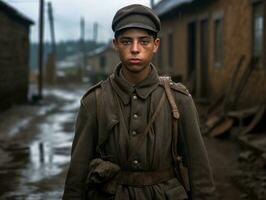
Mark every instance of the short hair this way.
pixel 151 33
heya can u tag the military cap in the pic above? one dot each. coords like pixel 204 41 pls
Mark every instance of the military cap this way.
pixel 136 16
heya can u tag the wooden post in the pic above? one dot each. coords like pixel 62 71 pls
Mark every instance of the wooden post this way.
pixel 51 20
pixel 40 55
pixel 82 48
pixel 51 66
pixel 95 32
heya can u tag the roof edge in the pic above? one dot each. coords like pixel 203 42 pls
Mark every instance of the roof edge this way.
pixel 170 5
pixel 15 13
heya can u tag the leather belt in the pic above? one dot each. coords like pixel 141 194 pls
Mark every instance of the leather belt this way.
pixel 144 178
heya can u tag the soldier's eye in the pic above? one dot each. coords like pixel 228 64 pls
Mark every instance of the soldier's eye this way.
pixel 125 42
pixel 144 41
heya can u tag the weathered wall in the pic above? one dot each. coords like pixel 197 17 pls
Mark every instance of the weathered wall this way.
pixel 174 26
pixel 237 41
pixel 14 57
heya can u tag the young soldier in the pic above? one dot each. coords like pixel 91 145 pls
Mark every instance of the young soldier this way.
pixel 137 133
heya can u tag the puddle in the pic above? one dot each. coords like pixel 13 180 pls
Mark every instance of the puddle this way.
pixel 55 195
pixel 71 107
pixel 44 162
pixel 74 97
pixel 50 152
pixel 69 96
pixel 45 157
pixel 45 109
pixel 19 125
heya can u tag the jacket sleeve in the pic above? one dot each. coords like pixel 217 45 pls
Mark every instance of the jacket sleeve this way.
pixel 83 149
pixel 194 152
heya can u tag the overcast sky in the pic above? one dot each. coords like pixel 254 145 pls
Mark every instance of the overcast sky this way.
pixel 67 15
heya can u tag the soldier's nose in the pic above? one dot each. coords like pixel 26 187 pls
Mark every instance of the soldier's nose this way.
pixel 135 47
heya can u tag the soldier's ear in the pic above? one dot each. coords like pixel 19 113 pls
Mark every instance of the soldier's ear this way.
pixel 115 43
pixel 156 45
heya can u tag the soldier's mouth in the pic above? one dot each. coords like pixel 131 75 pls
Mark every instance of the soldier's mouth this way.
pixel 134 61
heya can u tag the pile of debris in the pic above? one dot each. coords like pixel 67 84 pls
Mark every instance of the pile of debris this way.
pixel 247 126
pixel 251 175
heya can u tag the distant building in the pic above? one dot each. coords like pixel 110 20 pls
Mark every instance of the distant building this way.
pixel 69 69
pixel 72 62
pixel 102 61
pixel 14 56
pixel 204 40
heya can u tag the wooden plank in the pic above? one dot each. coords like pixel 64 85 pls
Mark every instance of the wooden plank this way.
pixel 255 121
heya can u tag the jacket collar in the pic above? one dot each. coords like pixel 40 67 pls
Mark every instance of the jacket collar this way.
pixel 143 89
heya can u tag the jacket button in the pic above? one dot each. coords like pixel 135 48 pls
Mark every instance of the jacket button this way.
pixel 135 97
pixel 134 133
pixel 135 162
pixel 135 116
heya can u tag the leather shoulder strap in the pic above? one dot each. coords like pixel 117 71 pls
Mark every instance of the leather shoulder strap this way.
pixel 182 171
pixel 166 81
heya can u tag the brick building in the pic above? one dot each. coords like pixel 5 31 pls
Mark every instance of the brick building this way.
pixel 14 56
pixel 202 42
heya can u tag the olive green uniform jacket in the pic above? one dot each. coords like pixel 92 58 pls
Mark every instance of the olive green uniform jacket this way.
pixel 124 113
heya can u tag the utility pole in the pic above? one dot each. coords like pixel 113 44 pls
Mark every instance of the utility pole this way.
pixel 40 55
pixel 95 32
pixel 82 47
pixel 51 66
pixel 51 20
pixel 152 3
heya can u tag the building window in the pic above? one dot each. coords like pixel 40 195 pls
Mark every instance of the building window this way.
pixel 258 29
pixel 170 49
pixel 218 41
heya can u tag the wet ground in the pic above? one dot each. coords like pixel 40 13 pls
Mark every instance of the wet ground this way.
pixel 35 143
pixel 223 155
pixel 35 146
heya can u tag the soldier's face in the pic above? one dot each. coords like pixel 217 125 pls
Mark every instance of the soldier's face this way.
pixel 136 49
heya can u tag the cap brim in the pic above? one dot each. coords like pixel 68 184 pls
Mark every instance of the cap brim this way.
pixel 136 25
